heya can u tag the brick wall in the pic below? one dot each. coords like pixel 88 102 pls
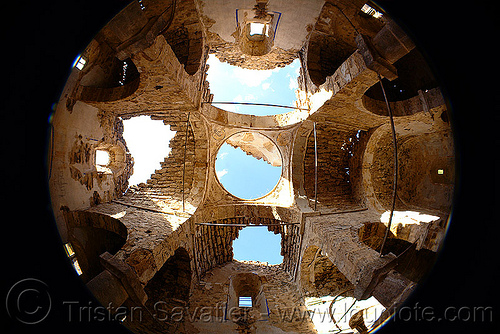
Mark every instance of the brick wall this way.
pixel 185 36
pixel 214 243
pixel 164 189
pixel 334 184
pixel 320 277
pixel 283 297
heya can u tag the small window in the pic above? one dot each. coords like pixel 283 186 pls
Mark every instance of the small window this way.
pixel 257 28
pixel 101 158
pixel 367 9
pixel 440 171
pixel 69 250
pixel 72 255
pixel 245 302
pixel 79 63
pixel 76 265
pixel 124 74
pixel 141 5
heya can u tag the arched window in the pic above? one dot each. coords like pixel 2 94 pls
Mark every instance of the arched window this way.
pixel 246 293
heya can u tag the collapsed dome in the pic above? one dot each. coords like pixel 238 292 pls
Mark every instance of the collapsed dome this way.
pixel 321 176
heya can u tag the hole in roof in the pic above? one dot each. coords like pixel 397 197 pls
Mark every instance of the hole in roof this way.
pixel 256 243
pixel 148 142
pixel 248 165
pixel 231 83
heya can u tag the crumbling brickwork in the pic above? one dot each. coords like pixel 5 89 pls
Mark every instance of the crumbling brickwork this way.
pixel 165 240
pixel 164 190
pixel 320 277
pixel 214 243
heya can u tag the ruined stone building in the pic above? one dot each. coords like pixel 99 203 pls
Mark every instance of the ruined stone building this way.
pixel 169 239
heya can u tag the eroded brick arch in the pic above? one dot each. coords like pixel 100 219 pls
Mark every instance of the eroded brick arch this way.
pixel 213 244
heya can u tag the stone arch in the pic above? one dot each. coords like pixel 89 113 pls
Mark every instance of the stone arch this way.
pixel 213 244
pixel 247 285
pixel 272 122
pixel 105 77
pixel 185 36
pixel 259 145
pixel 425 100
pixel 333 39
pixel 409 81
pixel 110 74
pixel 320 277
pixel 422 155
pixel 297 163
pixel 92 234
pixel 325 54
pixel 135 27
pixel 171 285
pixel 108 94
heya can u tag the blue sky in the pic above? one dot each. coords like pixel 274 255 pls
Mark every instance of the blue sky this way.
pixel 246 177
pixel 147 141
pixel 243 175
pixel 231 83
pixel 258 244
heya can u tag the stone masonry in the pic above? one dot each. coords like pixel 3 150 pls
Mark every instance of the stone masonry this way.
pixel 165 246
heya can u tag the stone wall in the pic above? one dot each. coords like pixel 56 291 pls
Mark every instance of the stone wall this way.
pixel 75 180
pixel 164 86
pixel 214 243
pixel 424 146
pixel 320 277
pixel 334 180
pixel 185 35
pixel 167 187
pixel 332 40
pixel 156 239
pixel 91 234
pixel 152 236
pixel 284 301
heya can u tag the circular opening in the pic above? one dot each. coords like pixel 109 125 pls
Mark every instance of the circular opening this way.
pixel 248 165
